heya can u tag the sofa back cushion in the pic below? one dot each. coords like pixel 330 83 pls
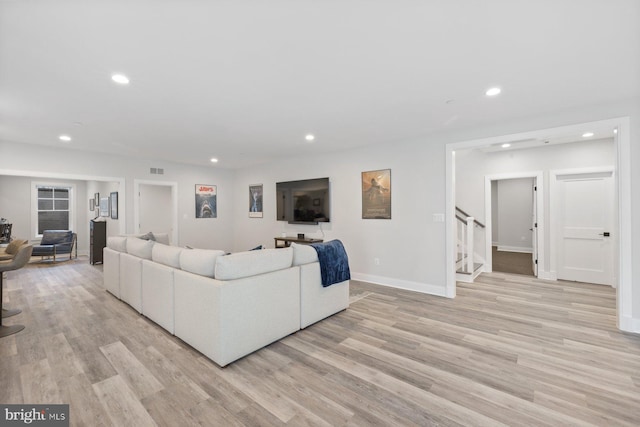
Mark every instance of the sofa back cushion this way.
pixel 252 263
pixel 117 243
pixel 140 248
pixel 167 255
pixel 303 254
pixel 199 261
pixel 54 237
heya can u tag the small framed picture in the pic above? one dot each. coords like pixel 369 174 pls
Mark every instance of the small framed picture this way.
pixel 92 204
pixel 104 206
pixel 114 204
pixel 255 201
pixel 96 199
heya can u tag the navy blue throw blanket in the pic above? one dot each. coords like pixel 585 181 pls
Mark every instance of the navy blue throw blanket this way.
pixel 334 264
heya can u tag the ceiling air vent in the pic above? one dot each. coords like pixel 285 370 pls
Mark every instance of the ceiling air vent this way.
pixel 156 171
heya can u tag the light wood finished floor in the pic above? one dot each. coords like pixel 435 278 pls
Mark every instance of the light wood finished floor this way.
pixel 509 350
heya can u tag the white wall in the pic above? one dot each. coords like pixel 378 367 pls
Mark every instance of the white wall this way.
pixel 515 214
pixel 155 208
pixel 409 246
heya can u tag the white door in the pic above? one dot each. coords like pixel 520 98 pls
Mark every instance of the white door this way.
pixel 155 209
pixel 585 220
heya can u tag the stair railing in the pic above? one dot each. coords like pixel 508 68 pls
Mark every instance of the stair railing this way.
pixel 465 231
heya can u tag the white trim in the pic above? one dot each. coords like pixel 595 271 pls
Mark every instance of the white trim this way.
pixel 547 275
pixel 424 288
pixel 539 182
pixel 174 205
pixel 630 324
pixel 622 143
pixel 518 249
pixel 78 177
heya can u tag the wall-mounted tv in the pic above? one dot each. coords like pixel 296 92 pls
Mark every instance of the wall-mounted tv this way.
pixel 303 202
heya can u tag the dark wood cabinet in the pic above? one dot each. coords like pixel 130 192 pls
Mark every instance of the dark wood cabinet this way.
pixel 97 240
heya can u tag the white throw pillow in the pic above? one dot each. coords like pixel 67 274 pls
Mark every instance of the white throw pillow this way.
pixel 140 248
pixel 199 261
pixel 117 243
pixel 252 263
pixel 303 254
pixel 167 255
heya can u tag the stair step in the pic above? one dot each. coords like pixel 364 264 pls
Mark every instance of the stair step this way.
pixel 463 269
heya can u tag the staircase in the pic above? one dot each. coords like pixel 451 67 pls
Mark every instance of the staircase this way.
pixel 468 264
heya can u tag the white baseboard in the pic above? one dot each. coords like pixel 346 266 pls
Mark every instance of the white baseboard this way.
pixel 547 275
pixel 630 324
pixel 515 249
pixel 425 288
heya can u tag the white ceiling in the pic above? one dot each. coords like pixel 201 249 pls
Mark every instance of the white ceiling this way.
pixel 245 81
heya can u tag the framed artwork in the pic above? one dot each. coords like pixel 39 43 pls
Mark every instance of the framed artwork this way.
pixel 104 206
pixel 114 205
pixel 206 201
pixel 92 204
pixel 96 199
pixel 376 194
pixel 255 201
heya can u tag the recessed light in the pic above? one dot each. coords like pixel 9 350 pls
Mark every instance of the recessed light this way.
pixel 506 145
pixel 309 137
pixel 65 138
pixel 615 130
pixel 587 134
pixel 214 160
pixel 120 79
pixel 493 91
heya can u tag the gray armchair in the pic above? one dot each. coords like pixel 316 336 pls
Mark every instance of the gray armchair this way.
pixel 56 242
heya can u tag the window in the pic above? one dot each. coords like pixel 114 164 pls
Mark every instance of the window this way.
pixel 53 207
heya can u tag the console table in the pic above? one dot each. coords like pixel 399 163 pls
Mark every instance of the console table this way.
pixel 286 241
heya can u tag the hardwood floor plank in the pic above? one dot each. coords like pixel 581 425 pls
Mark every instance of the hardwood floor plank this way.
pixel 131 370
pixel 121 403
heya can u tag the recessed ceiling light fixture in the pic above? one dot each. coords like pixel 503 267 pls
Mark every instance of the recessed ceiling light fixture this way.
pixel 120 79
pixel 587 134
pixel 309 137
pixel 493 91
pixel 506 145
pixel 615 130
pixel 214 160
pixel 65 138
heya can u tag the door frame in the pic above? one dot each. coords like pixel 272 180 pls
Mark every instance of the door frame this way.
pixel 553 208
pixel 622 144
pixel 538 176
pixel 174 205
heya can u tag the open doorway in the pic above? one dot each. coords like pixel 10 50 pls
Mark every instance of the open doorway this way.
pixel 156 208
pixel 514 226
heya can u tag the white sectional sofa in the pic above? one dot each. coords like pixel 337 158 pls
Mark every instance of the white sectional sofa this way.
pixel 225 306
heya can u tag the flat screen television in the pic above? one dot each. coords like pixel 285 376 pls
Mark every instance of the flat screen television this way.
pixel 303 202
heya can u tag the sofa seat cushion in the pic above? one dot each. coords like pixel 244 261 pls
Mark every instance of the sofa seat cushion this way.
pixel 167 255
pixel 117 243
pixel 199 261
pixel 140 248
pixel 303 254
pixel 252 263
